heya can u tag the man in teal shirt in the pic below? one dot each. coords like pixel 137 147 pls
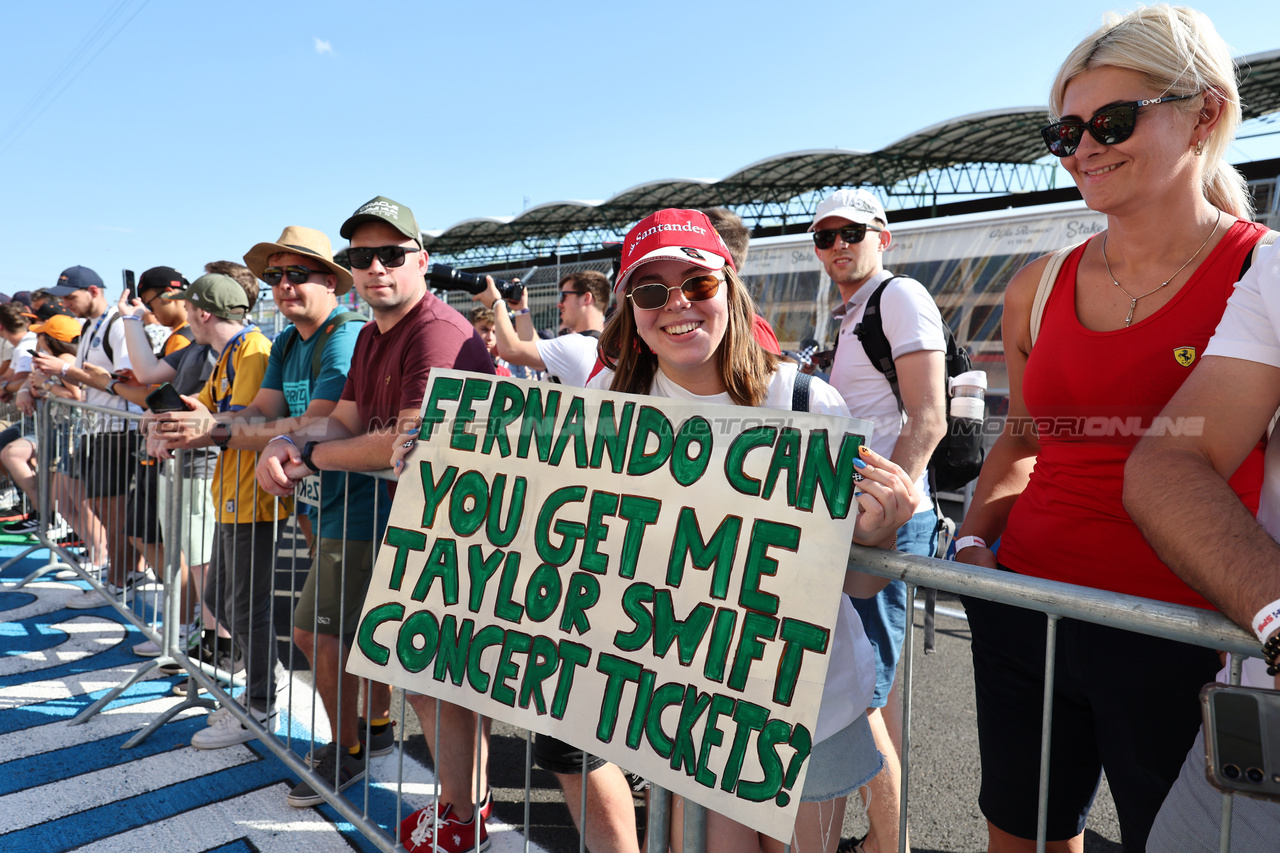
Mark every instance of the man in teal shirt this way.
pixel 304 380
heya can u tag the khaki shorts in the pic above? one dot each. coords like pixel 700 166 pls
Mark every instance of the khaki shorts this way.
pixel 324 607
pixel 198 516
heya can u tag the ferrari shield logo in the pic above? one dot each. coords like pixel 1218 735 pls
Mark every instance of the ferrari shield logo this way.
pixel 1185 355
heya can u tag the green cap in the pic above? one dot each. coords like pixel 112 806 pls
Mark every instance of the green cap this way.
pixel 383 209
pixel 220 295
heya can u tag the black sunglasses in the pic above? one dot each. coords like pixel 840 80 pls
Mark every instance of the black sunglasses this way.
pixel 653 296
pixel 361 258
pixel 565 293
pixel 296 273
pixel 825 238
pixel 1109 125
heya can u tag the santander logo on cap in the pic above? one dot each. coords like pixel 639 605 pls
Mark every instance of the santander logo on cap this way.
pixel 673 233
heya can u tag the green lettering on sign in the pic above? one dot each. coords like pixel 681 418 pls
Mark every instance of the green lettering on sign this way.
pixel 372 649
pixel 687 547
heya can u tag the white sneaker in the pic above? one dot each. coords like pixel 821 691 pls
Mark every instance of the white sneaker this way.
pixel 93 570
pixel 9 498
pixel 217 714
pixel 147 649
pixel 229 731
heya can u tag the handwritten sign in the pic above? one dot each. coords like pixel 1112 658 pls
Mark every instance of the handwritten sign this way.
pixel 652 580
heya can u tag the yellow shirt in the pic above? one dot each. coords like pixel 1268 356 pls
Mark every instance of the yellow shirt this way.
pixel 231 387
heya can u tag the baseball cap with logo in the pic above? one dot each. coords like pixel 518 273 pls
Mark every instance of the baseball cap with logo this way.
pixel 857 206
pixel 220 295
pixel 161 278
pixel 73 279
pixel 383 209
pixel 47 310
pixel 686 235
pixel 308 242
pixel 61 327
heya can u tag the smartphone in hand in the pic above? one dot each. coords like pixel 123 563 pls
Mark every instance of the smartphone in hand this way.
pixel 166 399
pixel 1242 739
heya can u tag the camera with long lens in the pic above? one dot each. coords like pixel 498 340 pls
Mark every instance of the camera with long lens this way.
pixel 445 277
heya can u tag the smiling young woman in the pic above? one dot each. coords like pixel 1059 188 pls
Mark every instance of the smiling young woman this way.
pixel 1148 106
pixel 683 329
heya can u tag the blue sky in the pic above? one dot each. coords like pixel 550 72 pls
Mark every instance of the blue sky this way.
pixel 198 130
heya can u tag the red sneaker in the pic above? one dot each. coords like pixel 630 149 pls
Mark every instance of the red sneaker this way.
pixel 418 832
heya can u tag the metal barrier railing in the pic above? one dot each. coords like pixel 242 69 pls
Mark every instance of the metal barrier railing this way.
pixel 1057 600
pixel 63 426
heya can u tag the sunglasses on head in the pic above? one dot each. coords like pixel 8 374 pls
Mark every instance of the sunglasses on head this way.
pixel 825 238
pixel 1109 125
pixel 361 258
pixel 296 273
pixel 654 295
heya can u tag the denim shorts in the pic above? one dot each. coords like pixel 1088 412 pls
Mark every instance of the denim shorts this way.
pixel 884 617
pixel 842 763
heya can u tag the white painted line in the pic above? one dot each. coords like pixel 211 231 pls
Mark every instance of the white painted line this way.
pixel 275 827
pixel 34 806
pixel 87 636
pixel 49 737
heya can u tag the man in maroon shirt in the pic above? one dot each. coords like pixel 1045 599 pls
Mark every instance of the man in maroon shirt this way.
pixel 412 331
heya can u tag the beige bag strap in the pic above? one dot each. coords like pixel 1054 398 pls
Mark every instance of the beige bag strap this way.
pixel 1051 270
pixel 1265 240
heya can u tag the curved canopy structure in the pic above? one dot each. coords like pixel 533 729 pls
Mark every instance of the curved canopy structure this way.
pixel 987 153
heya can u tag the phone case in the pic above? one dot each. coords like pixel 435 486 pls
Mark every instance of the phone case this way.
pixel 1242 739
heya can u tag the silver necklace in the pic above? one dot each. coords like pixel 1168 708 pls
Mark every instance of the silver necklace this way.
pixel 1133 300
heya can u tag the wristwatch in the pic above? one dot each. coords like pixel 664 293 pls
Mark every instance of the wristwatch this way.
pixel 306 455
pixel 221 434
pixel 110 387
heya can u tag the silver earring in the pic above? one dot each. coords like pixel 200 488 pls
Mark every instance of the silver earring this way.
pixel 1199 147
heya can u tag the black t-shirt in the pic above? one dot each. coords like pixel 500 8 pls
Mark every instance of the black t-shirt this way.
pixel 192 365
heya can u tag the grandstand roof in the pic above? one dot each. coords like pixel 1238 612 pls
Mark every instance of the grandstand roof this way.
pixel 992 152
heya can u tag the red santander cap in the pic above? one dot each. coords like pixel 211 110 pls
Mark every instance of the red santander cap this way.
pixel 686 235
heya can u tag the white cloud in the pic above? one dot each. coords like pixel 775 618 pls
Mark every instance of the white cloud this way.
pixel 323 47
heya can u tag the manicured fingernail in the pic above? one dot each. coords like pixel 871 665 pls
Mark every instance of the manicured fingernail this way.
pixel 858 463
pixel 864 449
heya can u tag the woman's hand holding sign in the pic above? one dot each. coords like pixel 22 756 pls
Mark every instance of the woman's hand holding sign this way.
pixel 887 498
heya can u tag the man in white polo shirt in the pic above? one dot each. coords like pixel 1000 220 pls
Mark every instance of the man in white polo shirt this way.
pixel 850 235
pixel 569 358
pixel 1175 488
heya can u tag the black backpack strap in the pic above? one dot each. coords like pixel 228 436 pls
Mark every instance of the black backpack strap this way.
pixel 106 340
pixel 317 354
pixel 800 392
pixel 591 333
pixel 870 330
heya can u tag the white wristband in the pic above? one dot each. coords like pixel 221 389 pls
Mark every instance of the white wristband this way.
pixel 519 312
pixel 970 542
pixel 1265 622
pixel 282 438
pixel 137 317
pixel 65 368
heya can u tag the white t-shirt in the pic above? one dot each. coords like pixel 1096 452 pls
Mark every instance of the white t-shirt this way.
pixel 23 350
pixel 911 323
pixel 92 351
pixel 569 358
pixel 851 672
pixel 1250 330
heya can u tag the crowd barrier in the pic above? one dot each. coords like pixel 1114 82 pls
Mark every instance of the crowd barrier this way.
pixel 157 509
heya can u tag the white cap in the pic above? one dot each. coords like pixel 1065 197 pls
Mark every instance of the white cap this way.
pixel 858 206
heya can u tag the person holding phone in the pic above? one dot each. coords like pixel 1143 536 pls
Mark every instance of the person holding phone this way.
pixel 1176 489
pixel 1144 111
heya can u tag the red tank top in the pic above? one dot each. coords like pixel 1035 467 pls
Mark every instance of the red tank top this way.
pixel 1092 396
